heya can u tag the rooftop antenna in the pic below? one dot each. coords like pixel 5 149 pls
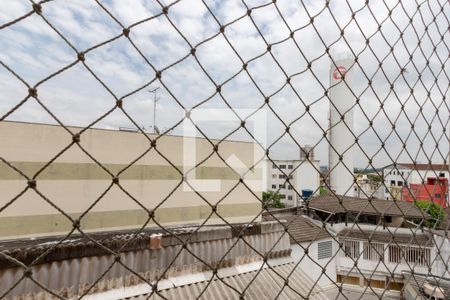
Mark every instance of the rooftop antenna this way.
pixel 155 100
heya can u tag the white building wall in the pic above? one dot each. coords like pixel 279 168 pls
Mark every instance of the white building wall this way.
pixel 424 174
pixel 396 177
pixel 374 268
pixel 307 176
pixel 312 265
pixel 441 256
pixel 304 175
pixel 366 190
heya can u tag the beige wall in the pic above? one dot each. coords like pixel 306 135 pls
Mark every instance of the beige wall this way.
pixel 74 181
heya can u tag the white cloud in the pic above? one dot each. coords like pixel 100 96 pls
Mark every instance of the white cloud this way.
pixel 34 51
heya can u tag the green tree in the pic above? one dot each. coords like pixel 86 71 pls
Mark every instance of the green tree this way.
pixel 324 191
pixel 374 178
pixel 436 212
pixel 272 199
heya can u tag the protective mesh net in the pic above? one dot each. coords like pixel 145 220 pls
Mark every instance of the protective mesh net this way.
pixel 357 86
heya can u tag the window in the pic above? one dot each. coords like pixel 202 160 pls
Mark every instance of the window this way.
pixel 282 196
pixel 373 251
pixel 437 196
pixel 392 182
pixel 351 249
pixel 274 166
pixel 289 187
pixel 399 183
pixel 282 186
pixel 289 197
pixel 290 167
pixel 441 174
pixel 324 249
pixel 395 254
pixel 411 255
pixel 420 256
pixel 290 177
pixel 274 186
pixel 282 166
pixel 281 176
pixel 403 173
pixel 274 175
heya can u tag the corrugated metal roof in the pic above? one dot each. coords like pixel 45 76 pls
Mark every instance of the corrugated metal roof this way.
pixel 77 246
pixel 269 283
pixel 331 204
pixel 72 272
pixel 301 229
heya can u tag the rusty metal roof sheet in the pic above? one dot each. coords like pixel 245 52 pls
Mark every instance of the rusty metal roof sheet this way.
pixel 342 204
pixel 78 246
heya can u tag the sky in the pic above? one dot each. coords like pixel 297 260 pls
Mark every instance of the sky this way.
pixel 412 75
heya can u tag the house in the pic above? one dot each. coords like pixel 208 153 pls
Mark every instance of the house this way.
pixel 312 245
pixel 356 247
pixel 376 257
pixel 433 190
pixel 398 175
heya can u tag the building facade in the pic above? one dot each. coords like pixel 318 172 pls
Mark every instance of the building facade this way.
pixel 398 178
pixel 367 188
pixel 374 256
pixel 117 179
pixel 293 178
pixel 433 190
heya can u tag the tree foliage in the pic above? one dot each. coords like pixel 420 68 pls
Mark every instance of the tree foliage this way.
pixel 323 191
pixel 374 178
pixel 272 199
pixel 436 212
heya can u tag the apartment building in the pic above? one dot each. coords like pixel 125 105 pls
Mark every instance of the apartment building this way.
pixel 294 179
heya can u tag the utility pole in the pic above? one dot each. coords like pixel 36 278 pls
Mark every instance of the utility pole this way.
pixel 155 100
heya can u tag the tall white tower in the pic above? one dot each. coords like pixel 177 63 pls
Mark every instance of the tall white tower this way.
pixel 341 127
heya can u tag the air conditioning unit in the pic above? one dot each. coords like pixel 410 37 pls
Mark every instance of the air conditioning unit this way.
pixel 432 291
